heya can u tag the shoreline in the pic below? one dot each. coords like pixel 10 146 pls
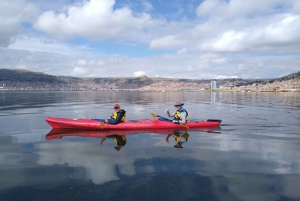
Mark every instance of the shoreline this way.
pixel 125 90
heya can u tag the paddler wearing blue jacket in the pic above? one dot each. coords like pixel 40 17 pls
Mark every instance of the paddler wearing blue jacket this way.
pixel 118 116
pixel 180 115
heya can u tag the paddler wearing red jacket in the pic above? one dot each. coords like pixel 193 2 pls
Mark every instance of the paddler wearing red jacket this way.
pixel 118 116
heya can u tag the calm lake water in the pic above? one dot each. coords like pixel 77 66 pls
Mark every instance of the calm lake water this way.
pixel 254 155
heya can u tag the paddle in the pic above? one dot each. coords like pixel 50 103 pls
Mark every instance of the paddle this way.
pixel 214 120
pixel 102 125
pixel 102 140
pixel 155 115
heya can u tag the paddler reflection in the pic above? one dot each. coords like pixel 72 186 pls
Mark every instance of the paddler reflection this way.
pixel 180 137
pixel 119 140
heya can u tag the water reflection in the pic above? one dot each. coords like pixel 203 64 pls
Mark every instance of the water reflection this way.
pixel 119 136
pixel 178 135
pixel 119 141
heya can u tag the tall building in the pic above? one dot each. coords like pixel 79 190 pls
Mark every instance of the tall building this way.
pixel 213 85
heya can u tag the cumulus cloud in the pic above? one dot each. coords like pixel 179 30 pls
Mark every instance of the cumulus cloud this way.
pixel 12 14
pixel 139 73
pixel 100 63
pixel 271 37
pixel 236 8
pixel 182 51
pixel 42 44
pixel 81 62
pixel 94 19
pixel 166 42
pixel 79 72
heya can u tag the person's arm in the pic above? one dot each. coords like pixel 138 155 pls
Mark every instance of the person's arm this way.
pixel 168 113
pixel 108 119
pixel 167 138
pixel 119 117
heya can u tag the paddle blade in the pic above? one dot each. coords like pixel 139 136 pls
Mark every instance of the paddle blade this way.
pixel 102 140
pixel 102 125
pixel 154 115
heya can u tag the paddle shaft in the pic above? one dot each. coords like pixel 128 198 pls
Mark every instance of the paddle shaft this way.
pixel 185 126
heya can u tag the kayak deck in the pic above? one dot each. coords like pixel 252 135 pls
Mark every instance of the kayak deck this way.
pixel 127 125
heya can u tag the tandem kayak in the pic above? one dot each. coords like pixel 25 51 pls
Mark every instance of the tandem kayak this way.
pixel 127 125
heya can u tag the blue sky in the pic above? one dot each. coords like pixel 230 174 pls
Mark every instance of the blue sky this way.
pixel 159 38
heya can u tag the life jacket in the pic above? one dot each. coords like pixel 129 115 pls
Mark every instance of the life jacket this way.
pixel 177 115
pixel 115 114
pixel 120 140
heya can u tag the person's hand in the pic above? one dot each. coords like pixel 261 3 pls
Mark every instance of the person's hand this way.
pixel 167 111
pixel 175 122
pixel 106 121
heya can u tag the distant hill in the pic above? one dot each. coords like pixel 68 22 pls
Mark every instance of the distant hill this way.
pixel 27 76
pixel 22 76
pixel 290 76
pixel 39 77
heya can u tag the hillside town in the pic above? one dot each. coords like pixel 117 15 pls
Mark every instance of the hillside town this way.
pixel 161 85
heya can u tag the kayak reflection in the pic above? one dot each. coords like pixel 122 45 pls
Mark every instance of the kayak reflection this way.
pixel 178 135
pixel 119 136
pixel 119 140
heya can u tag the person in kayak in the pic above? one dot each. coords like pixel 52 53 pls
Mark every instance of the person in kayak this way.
pixel 119 140
pixel 180 116
pixel 118 116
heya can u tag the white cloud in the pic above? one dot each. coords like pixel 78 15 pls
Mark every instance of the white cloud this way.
pixel 79 72
pixel 81 62
pixel 139 73
pixel 94 19
pixel 236 8
pixel 100 63
pixel 147 5
pixel 280 35
pixel 42 44
pixel 182 51
pixel 296 7
pixel 166 42
pixel 12 14
pixel 92 63
pixel 226 76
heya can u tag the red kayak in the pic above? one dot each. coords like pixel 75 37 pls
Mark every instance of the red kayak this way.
pixel 127 125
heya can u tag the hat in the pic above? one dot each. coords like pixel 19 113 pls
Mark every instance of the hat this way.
pixel 117 148
pixel 116 106
pixel 178 103
pixel 178 145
